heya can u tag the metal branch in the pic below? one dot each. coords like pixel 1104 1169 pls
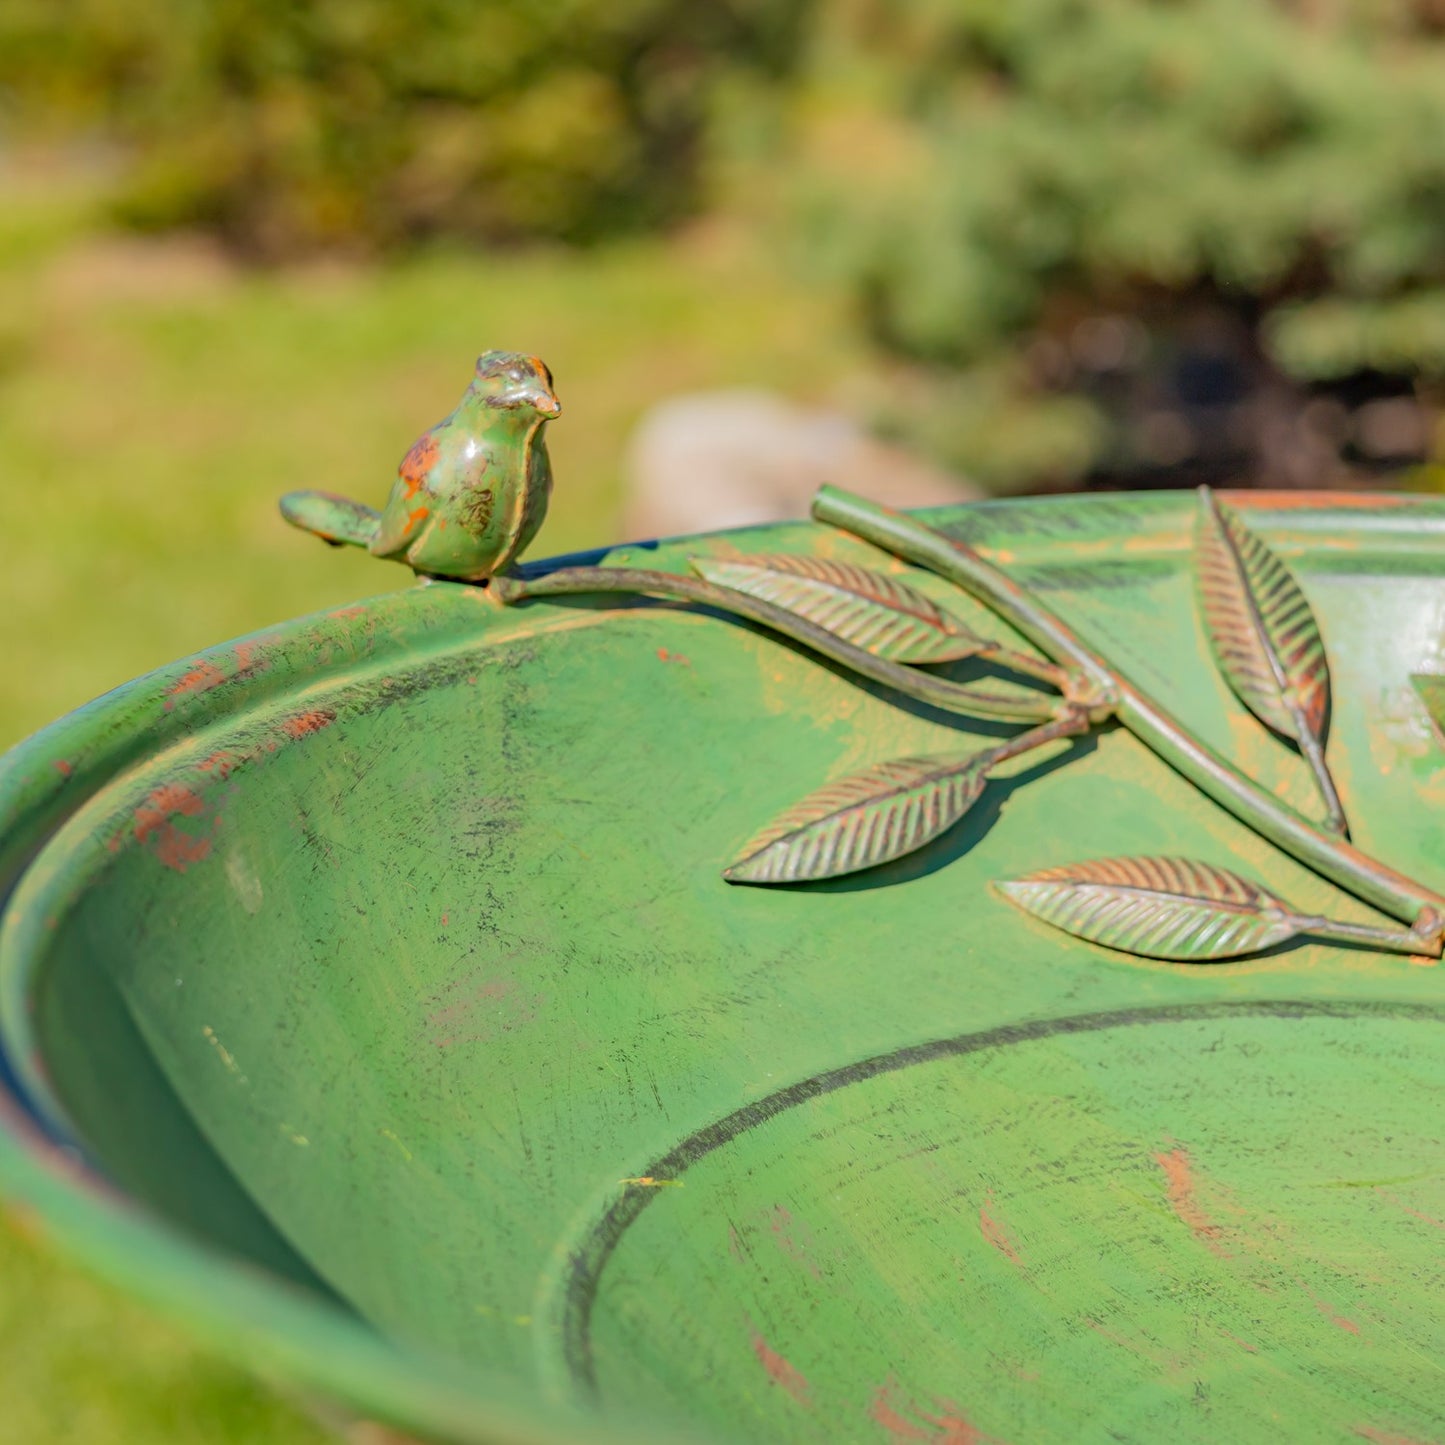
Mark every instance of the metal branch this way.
pixel 1069 724
pixel 1327 853
pixel 951 697
pixel 1059 678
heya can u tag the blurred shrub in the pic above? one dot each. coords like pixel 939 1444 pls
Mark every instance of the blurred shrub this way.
pixel 285 127
pixel 1191 219
pixel 1125 241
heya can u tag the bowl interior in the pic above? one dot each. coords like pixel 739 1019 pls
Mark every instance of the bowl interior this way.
pixel 414 982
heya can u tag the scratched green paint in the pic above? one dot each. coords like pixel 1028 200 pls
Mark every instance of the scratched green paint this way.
pixel 1083 1232
pixel 391 955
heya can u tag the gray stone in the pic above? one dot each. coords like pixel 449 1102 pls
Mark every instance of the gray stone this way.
pixel 738 458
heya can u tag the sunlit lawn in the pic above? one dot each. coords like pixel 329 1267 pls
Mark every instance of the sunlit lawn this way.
pixel 144 439
pixel 81 1365
pixel 149 416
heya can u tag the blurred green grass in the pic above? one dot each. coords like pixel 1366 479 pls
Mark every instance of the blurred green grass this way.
pixel 82 1365
pixel 145 437
pixel 153 405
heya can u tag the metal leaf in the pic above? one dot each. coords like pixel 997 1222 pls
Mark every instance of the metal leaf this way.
pixel 1431 688
pixel 879 614
pixel 1264 636
pixel 863 820
pixel 1172 908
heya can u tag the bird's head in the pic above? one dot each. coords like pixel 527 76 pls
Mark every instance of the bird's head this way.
pixel 509 381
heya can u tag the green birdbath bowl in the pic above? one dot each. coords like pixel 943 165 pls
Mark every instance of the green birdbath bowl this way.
pixel 373 999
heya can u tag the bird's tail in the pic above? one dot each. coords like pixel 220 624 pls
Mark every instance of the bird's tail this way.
pixel 334 519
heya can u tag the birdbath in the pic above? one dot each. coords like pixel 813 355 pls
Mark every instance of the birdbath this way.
pixel 969 975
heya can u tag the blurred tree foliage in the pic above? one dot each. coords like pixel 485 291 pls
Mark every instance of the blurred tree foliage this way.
pixel 285 127
pixel 1126 241
pixel 1125 235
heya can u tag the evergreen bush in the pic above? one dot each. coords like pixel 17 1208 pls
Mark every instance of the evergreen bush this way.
pixel 1128 236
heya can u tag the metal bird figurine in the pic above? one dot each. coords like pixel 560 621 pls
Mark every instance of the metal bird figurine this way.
pixel 470 494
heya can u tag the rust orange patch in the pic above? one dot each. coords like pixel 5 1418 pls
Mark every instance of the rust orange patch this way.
pixel 418 514
pixel 246 659
pixel 663 655
pixel 1183 1200
pixel 1327 1311
pixel 206 674
pixel 882 1412
pixel 222 763
pixel 794 1239
pixel 995 1235
pixel 201 678
pixel 1338 1321
pixel 949 1427
pixel 62 767
pixel 168 801
pixel 785 1376
pixel 954 1428
pixel 1267 501
pixel 474 1009
pixel 1387 1437
pixel 1429 1219
pixel 155 826
pixel 495 988
pixel 416 464
pixel 305 723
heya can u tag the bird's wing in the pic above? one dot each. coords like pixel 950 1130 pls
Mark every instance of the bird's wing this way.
pixel 402 519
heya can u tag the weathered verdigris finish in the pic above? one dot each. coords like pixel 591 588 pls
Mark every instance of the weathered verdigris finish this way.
pixel 386 961
pixel 471 492
pixel 1265 641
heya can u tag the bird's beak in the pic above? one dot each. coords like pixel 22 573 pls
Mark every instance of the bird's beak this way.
pixel 546 404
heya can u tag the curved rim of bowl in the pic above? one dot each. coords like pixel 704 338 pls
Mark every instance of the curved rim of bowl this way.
pixel 45 1178
pixel 248 1314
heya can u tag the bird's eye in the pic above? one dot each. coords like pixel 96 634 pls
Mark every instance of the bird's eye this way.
pixel 514 375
